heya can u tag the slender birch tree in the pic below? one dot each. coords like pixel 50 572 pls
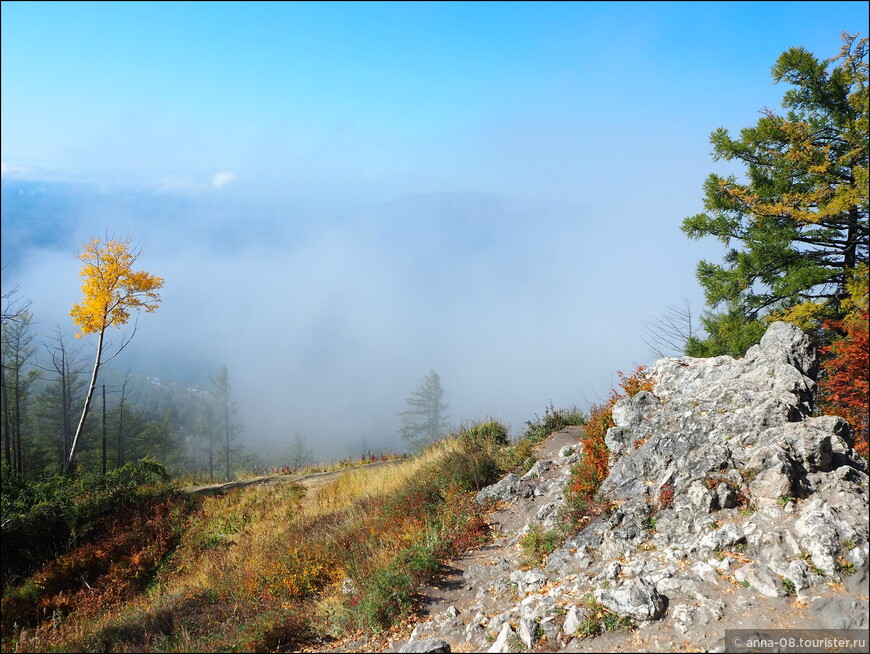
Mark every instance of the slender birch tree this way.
pixel 112 289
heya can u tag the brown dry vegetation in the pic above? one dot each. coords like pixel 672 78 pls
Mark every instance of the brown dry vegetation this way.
pixel 263 568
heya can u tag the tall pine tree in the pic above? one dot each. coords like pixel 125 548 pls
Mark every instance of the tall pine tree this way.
pixel 424 420
pixel 800 216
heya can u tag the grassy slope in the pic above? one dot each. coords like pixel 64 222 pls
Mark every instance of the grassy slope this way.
pixel 263 568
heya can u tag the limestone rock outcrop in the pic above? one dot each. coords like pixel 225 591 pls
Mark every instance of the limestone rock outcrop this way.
pixel 728 493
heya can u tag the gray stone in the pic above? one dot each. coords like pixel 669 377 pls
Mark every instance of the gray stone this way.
pixel 563 562
pixel 528 581
pixel 503 641
pixel 721 539
pixel 839 612
pixel 550 628
pixel 859 581
pixel 687 616
pixel 760 580
pixel 630 411
pixel 424 646
pixel 820 531
pixel 538 468
pixel 528 631
pixel 726 435
pixel 509 488
pixel 784 342
pixel 637 599
pixel 683 584
pixel 573 620
pixel 349 587
pixel 617 440
pixel 726 496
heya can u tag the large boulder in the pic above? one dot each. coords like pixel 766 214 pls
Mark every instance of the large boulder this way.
pixel 739 434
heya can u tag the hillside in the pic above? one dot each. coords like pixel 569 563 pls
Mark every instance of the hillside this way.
pixel 728 505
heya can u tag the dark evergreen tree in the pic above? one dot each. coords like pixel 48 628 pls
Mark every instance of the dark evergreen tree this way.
pixel 800 216
pixel 225 417
pixel 424 420
pixel 17 377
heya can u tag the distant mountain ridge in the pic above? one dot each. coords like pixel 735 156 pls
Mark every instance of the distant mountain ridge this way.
pixel 56 215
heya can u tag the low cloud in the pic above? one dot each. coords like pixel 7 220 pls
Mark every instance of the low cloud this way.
pixel 221 179
pixel 328 315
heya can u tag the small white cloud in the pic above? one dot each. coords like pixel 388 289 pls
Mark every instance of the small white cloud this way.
pixel 222 179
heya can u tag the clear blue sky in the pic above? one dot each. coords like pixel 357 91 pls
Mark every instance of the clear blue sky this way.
pixel 550 100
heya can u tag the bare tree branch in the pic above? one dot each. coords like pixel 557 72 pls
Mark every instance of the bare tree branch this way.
pixel 668 334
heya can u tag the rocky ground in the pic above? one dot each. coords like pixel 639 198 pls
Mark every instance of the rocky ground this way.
pixel 735 508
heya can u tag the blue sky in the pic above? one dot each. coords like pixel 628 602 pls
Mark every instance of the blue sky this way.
pixel 366 101
pixel 263 140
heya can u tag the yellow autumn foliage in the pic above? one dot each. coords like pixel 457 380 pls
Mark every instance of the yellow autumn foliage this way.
pixel 806 315
pixel 111 287
pixel 856 285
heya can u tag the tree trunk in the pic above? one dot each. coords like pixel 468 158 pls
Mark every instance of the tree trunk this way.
pixel 227 431
pixel 105 430
pixel 19 457
pixel 86 408
pixel 121 432
pixel 7 423
pixel 65 399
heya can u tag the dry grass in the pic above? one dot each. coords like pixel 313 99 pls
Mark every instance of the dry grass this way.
pixel 261 568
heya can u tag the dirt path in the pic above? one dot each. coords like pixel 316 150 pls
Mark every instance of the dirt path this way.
pixel 452 590
pixel 312 481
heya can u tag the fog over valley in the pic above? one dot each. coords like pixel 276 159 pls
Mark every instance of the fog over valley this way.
pixel 328 314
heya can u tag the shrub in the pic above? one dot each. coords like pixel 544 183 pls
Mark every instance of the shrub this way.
pixel 484 435
pixel 274 630
pixel 46 518
pixel 666 496
pixel 589 473
pixel 844 388
pixel 553 420
pixel 386 596
pixel 518 458
pixel 462 524
pixel 104 570
pixel 277 582
pixel 599 619
pixel 471 472
pixel 537 545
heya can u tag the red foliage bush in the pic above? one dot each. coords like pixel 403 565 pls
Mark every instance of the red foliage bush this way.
pixel 590 472
pixel 844 389
pixel 666 496
pixel 102 572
